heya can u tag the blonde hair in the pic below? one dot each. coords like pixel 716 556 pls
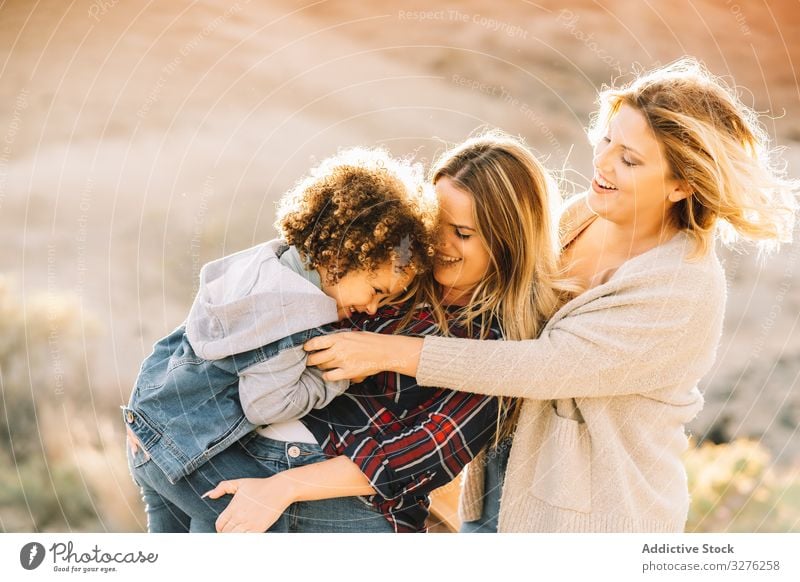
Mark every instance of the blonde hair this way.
pixel 513 194
pixel 717 147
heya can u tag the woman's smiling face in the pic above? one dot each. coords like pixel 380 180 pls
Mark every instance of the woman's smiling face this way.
pixel 462 257
pixel 632 182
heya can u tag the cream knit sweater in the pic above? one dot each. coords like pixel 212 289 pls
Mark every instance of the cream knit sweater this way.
pixel 609 386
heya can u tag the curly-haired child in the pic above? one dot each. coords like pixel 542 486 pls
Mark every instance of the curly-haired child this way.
pixel 355 233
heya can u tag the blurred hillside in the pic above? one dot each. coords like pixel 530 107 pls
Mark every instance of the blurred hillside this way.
pixel 138 142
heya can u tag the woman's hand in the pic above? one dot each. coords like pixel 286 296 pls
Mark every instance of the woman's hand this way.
pixel 259 503
pixel 256 505
pixel 134 444
pixel 356 354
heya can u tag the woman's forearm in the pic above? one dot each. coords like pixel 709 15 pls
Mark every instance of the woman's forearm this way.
pixel 337 477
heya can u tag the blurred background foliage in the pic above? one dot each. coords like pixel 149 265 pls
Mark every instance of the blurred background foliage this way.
pixel 736 488
pixel 61 467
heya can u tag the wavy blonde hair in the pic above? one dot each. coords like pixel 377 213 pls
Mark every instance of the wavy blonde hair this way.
pixel 718 148
pixel 514 198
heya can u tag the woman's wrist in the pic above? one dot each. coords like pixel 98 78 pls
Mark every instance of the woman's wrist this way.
pixel 291 488
pixel 335 477
pixel 403 353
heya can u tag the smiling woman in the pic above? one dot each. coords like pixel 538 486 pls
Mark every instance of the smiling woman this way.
pixel 462 259
pixel 681 134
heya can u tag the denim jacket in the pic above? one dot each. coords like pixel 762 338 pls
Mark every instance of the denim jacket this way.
pixel 235 364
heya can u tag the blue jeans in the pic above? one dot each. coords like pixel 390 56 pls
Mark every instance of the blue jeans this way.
pixel 493 477
pixel 179 508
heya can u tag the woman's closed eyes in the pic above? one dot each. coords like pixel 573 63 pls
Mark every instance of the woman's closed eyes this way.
pixel 627 162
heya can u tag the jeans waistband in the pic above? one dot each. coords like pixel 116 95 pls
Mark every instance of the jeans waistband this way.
pixel 287 451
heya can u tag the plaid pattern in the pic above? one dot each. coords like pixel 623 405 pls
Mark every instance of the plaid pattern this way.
pixel 406 439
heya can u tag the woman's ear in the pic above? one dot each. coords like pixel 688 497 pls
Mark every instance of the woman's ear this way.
pixel 681 191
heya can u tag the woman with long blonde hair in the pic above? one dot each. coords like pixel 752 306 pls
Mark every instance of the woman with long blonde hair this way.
pixel 611 381
pixel 519 288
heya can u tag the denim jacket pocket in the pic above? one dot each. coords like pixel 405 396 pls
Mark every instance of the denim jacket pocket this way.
pixel 138 458
pixel 562 477
pixel 156 375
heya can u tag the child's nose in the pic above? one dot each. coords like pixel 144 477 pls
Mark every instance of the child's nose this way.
pixel 372 307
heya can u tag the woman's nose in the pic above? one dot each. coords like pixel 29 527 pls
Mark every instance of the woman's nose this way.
pixel 442 242
pixel 600 157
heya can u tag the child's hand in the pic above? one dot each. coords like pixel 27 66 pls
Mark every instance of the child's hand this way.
pixel 256 505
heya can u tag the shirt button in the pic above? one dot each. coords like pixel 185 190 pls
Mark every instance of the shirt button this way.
pixel 294 451
pixel 129 417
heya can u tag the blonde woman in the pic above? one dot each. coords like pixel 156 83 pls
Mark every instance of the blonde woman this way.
pixel 612 380
pixel 390 439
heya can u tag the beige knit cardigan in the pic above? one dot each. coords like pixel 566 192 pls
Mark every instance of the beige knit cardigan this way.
pixel 609 386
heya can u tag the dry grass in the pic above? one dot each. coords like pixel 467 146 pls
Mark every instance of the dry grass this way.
pixel 736 488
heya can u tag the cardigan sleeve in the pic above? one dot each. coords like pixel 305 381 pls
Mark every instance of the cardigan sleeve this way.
pixel 634 339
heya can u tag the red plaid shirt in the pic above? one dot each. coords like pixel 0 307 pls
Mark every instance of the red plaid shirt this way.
pixel 406 439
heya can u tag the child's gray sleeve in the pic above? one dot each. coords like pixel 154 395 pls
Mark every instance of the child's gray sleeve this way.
pixel 283 388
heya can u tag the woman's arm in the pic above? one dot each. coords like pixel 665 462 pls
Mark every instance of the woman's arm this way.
pixel 623 343
pixel 258 503
pixel 647 334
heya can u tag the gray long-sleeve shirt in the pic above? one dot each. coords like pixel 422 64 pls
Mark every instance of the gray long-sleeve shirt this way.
pixel 253 298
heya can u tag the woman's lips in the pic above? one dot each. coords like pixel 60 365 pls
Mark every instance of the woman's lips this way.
pixel 601 185
pixel 446 261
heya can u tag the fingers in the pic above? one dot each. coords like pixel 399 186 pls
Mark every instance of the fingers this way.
pixel 223 523
pixel 238 528
pixel 322 342
pixel 134 444
pixel 323 360
pixel 228 523
pixel 131 438
pixel 222 488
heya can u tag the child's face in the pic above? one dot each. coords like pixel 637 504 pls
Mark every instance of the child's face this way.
pixel 365 291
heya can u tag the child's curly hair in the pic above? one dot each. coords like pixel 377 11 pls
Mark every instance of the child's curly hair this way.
pixel 358 210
